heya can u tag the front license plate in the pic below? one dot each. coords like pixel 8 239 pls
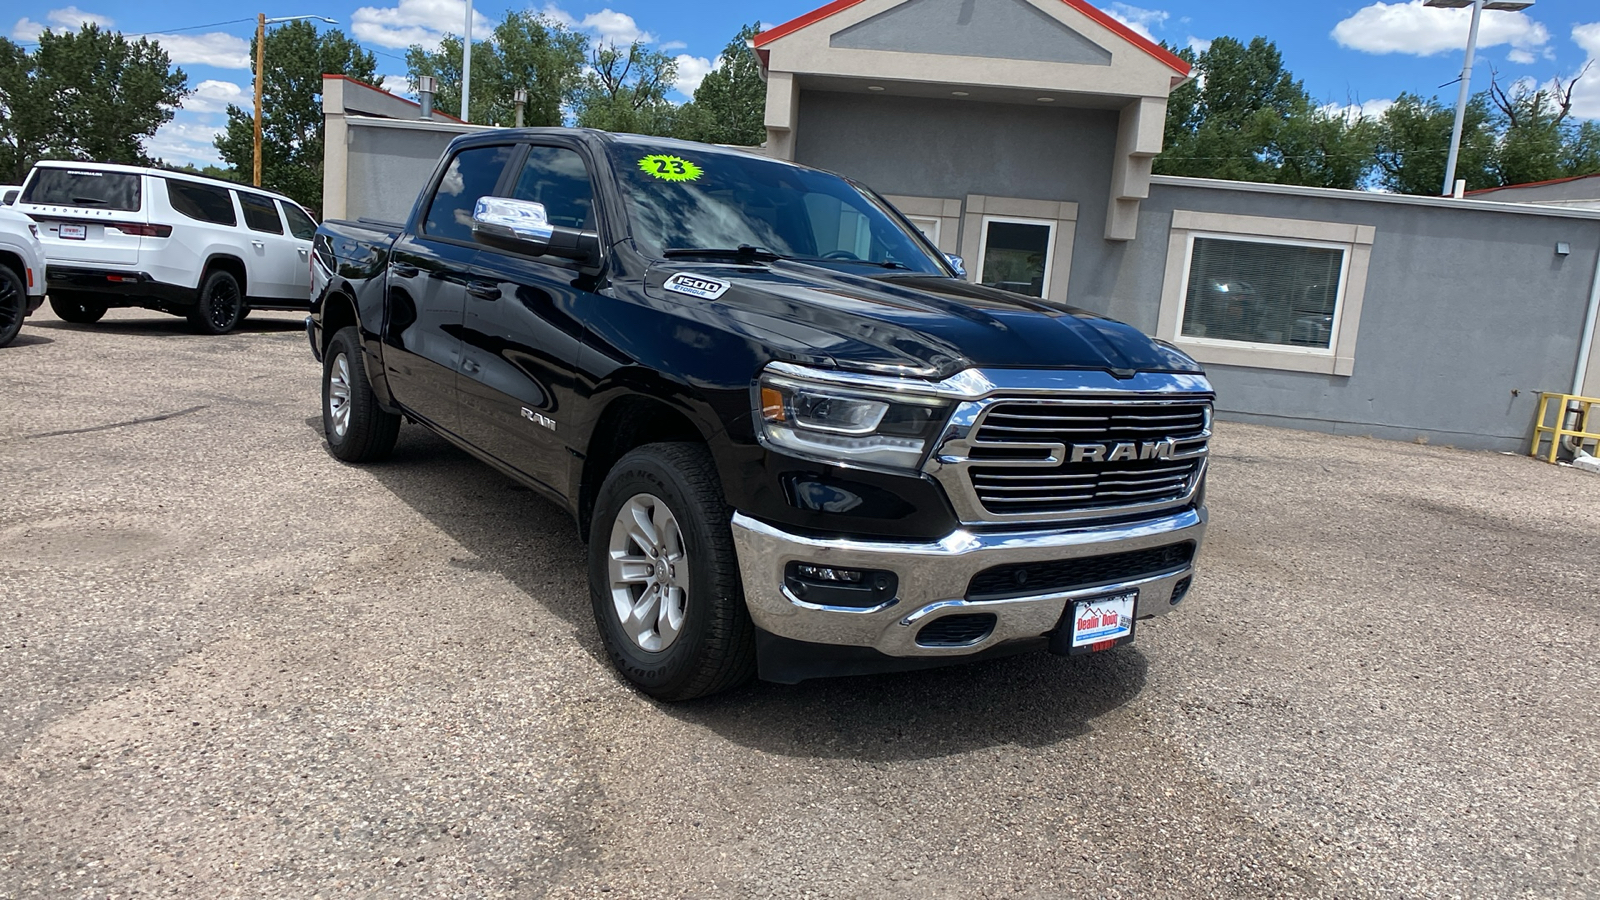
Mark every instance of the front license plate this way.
pixel 74 232
pixel 1102 622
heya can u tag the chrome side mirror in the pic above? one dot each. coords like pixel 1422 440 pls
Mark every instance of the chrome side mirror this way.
pixel 957 263
pixel 522 226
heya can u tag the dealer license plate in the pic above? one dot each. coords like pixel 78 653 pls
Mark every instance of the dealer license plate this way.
pixel 74 232
pixel 1101 622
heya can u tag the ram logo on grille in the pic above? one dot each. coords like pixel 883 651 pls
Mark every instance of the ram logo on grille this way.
pixel 1122 450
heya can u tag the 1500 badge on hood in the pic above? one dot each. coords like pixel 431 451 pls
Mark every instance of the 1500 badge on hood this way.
pixel 696 286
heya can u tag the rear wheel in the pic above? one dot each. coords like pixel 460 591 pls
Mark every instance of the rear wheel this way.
pixel 221 305
pixel 663 576
pixel 13 304
pixel 357 429
pixel 79 309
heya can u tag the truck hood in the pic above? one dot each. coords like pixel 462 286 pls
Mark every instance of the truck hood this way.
pixel 917 324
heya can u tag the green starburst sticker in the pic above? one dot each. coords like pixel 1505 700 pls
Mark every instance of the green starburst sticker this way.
pixel 669 168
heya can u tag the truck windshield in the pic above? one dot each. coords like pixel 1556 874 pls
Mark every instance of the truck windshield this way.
pixel 682 199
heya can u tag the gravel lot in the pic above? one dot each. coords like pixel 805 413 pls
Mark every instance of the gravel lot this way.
pixel 234 667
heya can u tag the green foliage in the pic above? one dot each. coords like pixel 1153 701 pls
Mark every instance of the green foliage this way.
pixel 729 105
pixel 626 91
pixel 297 56
pixel 211 172
pixel 529 51
pixel 91 95
pixel 1414 144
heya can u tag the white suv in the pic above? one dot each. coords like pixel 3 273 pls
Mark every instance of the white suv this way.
pixel 182 244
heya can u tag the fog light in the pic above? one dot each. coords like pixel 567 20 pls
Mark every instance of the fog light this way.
pixel 825 573
pixel 838 586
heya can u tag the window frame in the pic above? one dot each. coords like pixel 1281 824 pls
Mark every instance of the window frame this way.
pixel 513 163
pixel 1338 358
pixel 1049 247
pixel 1338 300
pixel 224 190
pixel 244 215
pixel 283 210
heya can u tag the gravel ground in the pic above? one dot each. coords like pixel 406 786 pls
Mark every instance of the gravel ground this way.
pixel 234 667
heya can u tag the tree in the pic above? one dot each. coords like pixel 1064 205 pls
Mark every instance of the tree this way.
pixel 91 95
pixel 291 119
pixel 1538 139
pixel 529 51
pixel 626 90
pixel 729 106
pixel 1414 142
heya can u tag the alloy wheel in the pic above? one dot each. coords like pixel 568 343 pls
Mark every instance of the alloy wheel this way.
pixel 649 572
pixel 339 395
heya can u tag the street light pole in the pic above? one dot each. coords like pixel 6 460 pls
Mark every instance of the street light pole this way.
pixel 261 70
pixel 1478 6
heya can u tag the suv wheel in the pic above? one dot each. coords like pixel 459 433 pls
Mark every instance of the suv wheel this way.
pixel 221 304
pixel 663 576
pixel 78 309
pixel 13 304
pixel 357 429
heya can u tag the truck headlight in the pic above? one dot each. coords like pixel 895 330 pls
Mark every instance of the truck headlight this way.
pixel 846 425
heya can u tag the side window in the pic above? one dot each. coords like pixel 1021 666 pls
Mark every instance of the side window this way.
pixel 260 214
pixel 300 224
pixel 472 174
pixel 556 177
pixel 201 202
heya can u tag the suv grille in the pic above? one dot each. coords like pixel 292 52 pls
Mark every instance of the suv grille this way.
pixel 1009 461
pixel 1030 579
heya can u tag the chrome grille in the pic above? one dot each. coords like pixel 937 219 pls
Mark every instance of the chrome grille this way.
pixel 1020 461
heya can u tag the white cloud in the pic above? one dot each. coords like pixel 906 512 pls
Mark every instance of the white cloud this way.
pixel 397 84
pixel 1520 57
pixel 1370 109
pixel 423 22
pixel 1198 45
pixel 674 45
pixel 69 19
pixel 1140 20
pixel 186 139
pixel 691 71
pixel 1409 27
pixel 608 27
pixel 214 96
pixel 1586 96
pixel 222 51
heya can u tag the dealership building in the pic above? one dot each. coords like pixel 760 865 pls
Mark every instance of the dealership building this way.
pixel 1019 135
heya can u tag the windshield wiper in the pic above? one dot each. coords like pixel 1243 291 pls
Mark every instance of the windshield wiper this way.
pixel 886 264
pixel 748 252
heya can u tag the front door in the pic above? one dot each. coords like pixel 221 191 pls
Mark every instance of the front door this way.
pixel 270 258
pixel 522 333
pixel 427 289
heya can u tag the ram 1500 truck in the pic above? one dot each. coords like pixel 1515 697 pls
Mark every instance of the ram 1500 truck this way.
pixel 797 441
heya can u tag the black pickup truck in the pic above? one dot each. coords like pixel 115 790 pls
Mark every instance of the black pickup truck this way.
pixel 798 441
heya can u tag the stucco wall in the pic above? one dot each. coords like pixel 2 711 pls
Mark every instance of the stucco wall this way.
pixel 1468 314
pixel 949 149
pixel 388 166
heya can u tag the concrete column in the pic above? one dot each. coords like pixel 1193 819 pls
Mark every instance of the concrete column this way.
pixel 783 109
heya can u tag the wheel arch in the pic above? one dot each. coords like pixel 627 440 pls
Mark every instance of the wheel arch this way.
pixel 16 264
pixel 627 422
pixel 229 263
pixel 338 311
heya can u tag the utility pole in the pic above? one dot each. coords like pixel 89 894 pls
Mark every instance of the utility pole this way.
pixel 261 74
pixel 466 69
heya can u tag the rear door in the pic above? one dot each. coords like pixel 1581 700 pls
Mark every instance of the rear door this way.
pixel 273 264
pixel 79 210
pixel 523 332
pixel 429 268
pixel 302 229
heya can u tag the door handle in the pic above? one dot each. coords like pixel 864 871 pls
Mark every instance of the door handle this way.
pixel 469 366
pixel 403 271
pixel 257 244
pixel 483 290
pixel 302 251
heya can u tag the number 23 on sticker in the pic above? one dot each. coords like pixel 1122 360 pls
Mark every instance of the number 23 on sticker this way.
pixel 669 168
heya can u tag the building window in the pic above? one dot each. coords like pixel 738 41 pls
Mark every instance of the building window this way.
pixel 1015 254
pixel 928 225
pixel 1267 293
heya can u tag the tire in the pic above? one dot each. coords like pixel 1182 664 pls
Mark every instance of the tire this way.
pixel 221 304
pixel 357 429
pixel 79 309
pixel 13 304
pixel 701 640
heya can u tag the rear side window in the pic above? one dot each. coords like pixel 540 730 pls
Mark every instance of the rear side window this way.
pixel 260 214
pixel 83 187
pixel 10 197
pixel 201 202
pixel 472 174
pixel 556 177
pixel 300 224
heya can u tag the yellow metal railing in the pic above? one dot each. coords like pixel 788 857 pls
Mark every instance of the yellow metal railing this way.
pixel 1554 428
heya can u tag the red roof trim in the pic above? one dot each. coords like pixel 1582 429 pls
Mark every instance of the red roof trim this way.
pixel 1163 56
pixel 1504 187
pixel 396 96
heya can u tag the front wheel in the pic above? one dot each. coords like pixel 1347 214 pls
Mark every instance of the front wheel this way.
pixel 357 428
pixel 664 578
pixel 78 309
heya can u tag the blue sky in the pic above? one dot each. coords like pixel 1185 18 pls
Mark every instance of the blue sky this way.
pixel 1346 51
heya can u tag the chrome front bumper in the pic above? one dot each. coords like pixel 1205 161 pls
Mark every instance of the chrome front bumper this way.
pixel 933 579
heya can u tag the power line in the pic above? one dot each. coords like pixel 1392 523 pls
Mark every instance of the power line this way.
pixel 185 28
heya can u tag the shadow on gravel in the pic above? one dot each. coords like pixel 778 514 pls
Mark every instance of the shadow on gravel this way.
pixel 24 339
pixel 1032 700
pixel 160 324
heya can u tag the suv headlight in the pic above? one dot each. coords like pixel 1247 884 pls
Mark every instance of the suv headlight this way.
pixel 845 424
